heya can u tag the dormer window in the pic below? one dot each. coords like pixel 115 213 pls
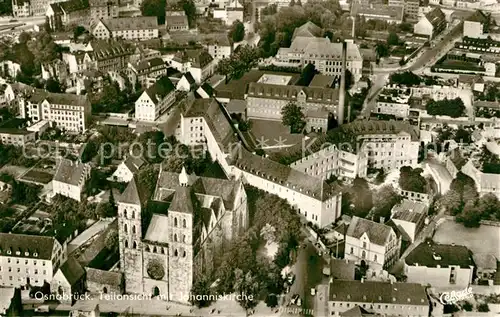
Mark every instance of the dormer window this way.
pixel 9 252
pixel 35 254
pixel 26 254
pixel 18 252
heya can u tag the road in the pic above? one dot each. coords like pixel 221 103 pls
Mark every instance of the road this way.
pixel 308 270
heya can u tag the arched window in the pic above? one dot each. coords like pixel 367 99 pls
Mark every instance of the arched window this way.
pixel 176 253
pixel 147 249
pixel 135 245
pixel 183 254
pixel 125 228
pixel 162 251
pixel 184 223
pixel 363 254
pixel 125 213
pixel 133 229
pixel 183 238
pixel 133 214
pixel 175 222
pixel 154 249
pixel 375 258
pixel 175 237
pixel 126 244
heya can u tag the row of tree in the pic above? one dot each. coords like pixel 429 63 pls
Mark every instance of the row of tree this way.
pixel 447 107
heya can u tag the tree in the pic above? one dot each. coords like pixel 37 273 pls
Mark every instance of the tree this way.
pixel 240 62
pixel 111 241
pixel 467 306
pixel 462 136
pixel 447 107
pixel 154 8
pixel 383 202
pixel 470 215
pixel 190 9
pixel 451 201
pixel 483 307
pixel 293 117
pixel 53 85
pixel 382 50
pixel 106 210
pixel 406 78
pixel 308 73
pixel 247 286
pixel 411 179
pixel 79 30
pixel 201 292
pixel 24 37
pixel 392 39
pixel 237 31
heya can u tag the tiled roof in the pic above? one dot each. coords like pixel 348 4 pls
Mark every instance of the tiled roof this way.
pixel 284 176
pixel 131 23
pixel 282 92
pixel 379 10
pixel 161 88
pixel 69 172
pixel 189 78
pixel 478 16
pixel 485 261
pixel 436 17
pixel 486 104
pixel 308 29
pixel 356 311
pixel 378 292
pixel 220 125
pixel 104 277
pixel 156 230
pixel 39 95
pixel 72 270
pixel 176 20
pixel 444 255
pixel 410 211
pixel 26 245
pixel 377 233
pixel 198 58
pixel 133 163
pixel 322 81
pixel 131 194
pixel 105 49
pixel 149 63
pixel 342 269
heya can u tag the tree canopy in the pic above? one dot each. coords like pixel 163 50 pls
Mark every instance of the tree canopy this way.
pixel 411 179
pixel 154 8
pixel 293 117
pixel 407 79
pixel 237 31
pixel 240 62
pixel 447 107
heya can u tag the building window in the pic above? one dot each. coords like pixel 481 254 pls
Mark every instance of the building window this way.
pixel 352 250
pixel 184 223
pixel 363 254
pixel 175 222
pixel 364 245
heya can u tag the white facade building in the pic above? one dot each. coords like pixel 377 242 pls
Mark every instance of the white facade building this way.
pixel 29 259
pixel 127 169
pixel 133 28
pixel 155 100
pixel 69 179
pixel 197 62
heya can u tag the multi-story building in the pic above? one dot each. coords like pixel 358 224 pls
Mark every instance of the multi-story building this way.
pixel 308 48
pixel 69 179
pixel 39 7
pixel 430 25
pixel 9 68
pixel 29 259
pixel 142 53
pixel 103 9
pixel 375 244
pixel 477 25
pixel 220 47
pixel 271 93
pixel 394 102
pixel 176 21
pixel 200 216
pixel 440 265
pixel 380 144
pixel 21 8
pixel 132 28
pixel 197 62
pixel 68 112
pixel 382 298
pixel 485 182
pixel 230 13
pixel 383 12
pixel 127 169
pixel 17 136
pixel 72 12
pixel 410 7
pixel 410 216
pixel 146 72
pixel 155 100
pixel 109 55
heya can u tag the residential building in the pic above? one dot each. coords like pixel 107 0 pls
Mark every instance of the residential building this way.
pixel 78 61
pixel 394 102
pixel 142 53
pixel 109 55
pixel 39 7
pixel 431 24
pixel 477 25
pixel 485 182
pixel 381 298
pixel 440 265
pixel 15 136
pixel 186 83
pixel 375 244
pixel 230 13
pixel 201 215
pixel 69 179
pixel 69 281
pixel 155 100
pixel 220 47
pixel 147 71
pixel 9 68
pixel 127 169
pixel 410 216
pixel 82 309
pixel 197 62
pixel 307 48
pixel 381 144
pixel 68 112
pixel 410 7
pixel 176 21
pixel 55 69
pixel 486 266
pixel 103 9
pixel 474 82
pixel 71 12
pixel 383 12
pixel 132 28
pixel 21 8
pixel 29 259
pixel 271 93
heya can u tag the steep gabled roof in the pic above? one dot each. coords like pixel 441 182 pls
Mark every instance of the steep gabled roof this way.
pixel 308 29
pixel 199 58
pixel 377 233
pixel 479 16
pixel 69 172
pixel 131 194
pixel 72 270
pixel 435 17
pixel 161 88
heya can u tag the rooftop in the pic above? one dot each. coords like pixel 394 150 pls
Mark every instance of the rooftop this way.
pixel 70 172
pixel 160 89
pixel 435 17
pixel 26 246
pixel 308 29
pixel 131 23
pixel 273 79
pixel 322 81
pixel 410 211
pixel 378 292
pixel 199 58
pixel 377 233
pixel 379 11
pixel 444 255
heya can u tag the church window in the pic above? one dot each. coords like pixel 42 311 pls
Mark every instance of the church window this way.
pixel 183 238
pixel 126 244
pixel 125 228
pixel 175 237
pixel 176 253
pixel 133 214
pixel 154 249
pixel 183 254
pixel 184 223
pixel 147 249
pixel 175 222
pixel 135 245
pixel 133 229
pixel 162 251
pixel 125 213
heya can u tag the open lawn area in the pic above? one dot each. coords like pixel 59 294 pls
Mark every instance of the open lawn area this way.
pixel 37 177
pixel 485 239
pixel 13 170
pixel 272 134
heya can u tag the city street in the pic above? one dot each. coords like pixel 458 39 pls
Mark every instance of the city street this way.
pixel 308 271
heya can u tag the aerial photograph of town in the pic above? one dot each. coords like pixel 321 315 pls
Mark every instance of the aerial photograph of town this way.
pixel 235 158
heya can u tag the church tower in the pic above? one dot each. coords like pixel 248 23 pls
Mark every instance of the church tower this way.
pixel 130 234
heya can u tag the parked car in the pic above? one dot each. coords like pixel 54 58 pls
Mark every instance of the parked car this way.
pixel 42 309
pixel 295 299
pixel 299 302
pixel 290 278
pixel 313 291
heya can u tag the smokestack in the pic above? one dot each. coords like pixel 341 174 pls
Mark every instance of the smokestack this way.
pixel 340 112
